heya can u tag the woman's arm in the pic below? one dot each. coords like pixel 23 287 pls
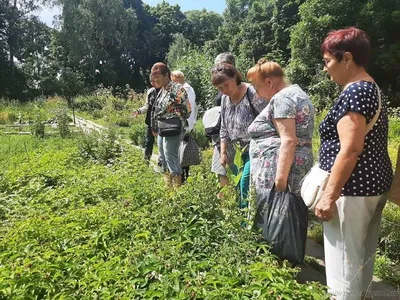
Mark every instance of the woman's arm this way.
pixel 145 107
pixel 351 129
pixel 224 135
pixel 287 133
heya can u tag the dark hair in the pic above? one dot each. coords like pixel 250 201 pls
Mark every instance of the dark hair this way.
pixel 162 68
pixel 221 71
pixel 352 40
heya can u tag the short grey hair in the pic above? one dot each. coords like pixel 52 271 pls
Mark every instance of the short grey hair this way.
pixel 225 57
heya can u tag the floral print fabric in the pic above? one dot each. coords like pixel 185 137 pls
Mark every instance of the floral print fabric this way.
pixel 171 102
pixel 289 103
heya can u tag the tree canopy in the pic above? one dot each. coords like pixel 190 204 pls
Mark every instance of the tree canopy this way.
pixel 115 42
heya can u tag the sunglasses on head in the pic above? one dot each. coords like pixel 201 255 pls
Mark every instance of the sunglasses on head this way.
pixel 220 68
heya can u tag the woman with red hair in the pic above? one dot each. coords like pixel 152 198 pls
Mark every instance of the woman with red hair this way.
pixel 356 157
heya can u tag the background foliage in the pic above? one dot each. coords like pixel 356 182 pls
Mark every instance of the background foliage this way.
pixel 114 43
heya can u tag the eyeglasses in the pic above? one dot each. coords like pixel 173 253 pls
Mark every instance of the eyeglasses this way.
pixel 325 61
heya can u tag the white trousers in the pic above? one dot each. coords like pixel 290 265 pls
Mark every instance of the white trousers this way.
pixel 350 241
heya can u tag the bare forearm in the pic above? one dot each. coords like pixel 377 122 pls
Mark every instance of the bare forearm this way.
pixel 223 147
pixel 340 173
pixel 286 155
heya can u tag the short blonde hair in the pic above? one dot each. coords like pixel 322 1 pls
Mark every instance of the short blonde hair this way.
pixel 264 69
pixel 178 75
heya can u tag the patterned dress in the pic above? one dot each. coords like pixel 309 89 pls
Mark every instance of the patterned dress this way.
pixel 289 103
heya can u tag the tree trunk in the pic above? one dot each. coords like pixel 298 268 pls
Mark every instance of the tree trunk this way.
pixel 11 39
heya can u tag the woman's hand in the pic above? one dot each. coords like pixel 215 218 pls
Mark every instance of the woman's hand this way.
pixel 224 159
pixel 280 185
pixel 325 209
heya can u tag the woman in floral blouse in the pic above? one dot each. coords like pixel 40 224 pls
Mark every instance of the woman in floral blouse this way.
pixel 280 147
pixel 172 101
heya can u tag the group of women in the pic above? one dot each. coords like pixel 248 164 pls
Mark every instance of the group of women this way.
pixel 272 122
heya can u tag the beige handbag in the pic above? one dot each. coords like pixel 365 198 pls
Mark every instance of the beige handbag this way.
pixel 394 192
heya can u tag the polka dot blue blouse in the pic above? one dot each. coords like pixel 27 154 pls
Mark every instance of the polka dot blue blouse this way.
pixel 372 175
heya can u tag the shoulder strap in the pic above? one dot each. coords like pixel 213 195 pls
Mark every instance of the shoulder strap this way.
pixel 378 112
pixel 254 111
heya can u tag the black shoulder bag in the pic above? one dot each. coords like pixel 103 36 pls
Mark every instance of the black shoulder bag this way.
pixel 169 127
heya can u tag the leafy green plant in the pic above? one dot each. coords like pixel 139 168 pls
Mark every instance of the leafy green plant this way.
pixel 199 136
pixel 322 90
pixel 387 269
pixel 74 229
pixel 62 121
pixel 38 124
pixel 102 147
pixel 137 134
pixel 196 66
pixel 236 174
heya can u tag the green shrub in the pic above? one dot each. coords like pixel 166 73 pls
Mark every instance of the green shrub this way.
pixel 97 114
pixel 322 91
pixel 315 230
pixel 102 147
pixel 137 134
pixel 390 234
pixel 38 124
pixel 394 129
pixel 87 145
pixel 7 117
pixel 196 65
pixel 62 121
pixel 121 119
pixel 394 112
pixel 90 103
pixel 199 135
pixel 78 230
pixel 387 269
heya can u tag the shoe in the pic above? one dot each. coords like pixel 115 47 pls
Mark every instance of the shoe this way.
pixel 168 179
pixel 176 181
